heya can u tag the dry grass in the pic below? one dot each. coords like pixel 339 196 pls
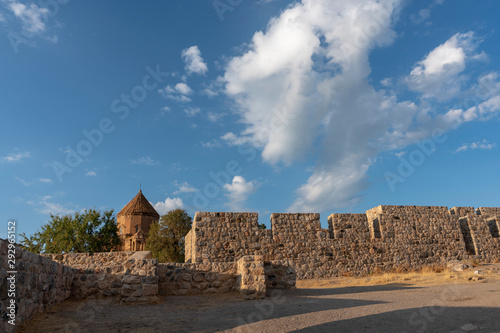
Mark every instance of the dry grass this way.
pixel 427 276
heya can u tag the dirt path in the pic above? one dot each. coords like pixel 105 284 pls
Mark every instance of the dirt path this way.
pixel 396 307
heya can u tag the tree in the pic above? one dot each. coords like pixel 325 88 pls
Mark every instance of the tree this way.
pixel 90 231
pixel 166 238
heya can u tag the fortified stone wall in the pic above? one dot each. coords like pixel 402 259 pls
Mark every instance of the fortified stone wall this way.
pixel 39 284
pixel 384 238
pixel 133 276
pixel 47 279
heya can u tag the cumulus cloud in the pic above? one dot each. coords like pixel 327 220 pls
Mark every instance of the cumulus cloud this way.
pixel 178 93
pixel 145 160
pixel 193 60
pixel 438 74
pixel 482 145
pixel 91 174
pixel 162 207
pixel 239 191
pixel 14 157
pixel 192 111
pixel 32 16
pixel 303 83
pixel 184 188
pixel 303 88
pixel 486 97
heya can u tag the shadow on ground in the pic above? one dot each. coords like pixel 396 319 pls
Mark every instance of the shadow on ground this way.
pixel 207 313
pixel 423 319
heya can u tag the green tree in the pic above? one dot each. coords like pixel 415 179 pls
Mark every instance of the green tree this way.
pixel 166 238
pixel 90 231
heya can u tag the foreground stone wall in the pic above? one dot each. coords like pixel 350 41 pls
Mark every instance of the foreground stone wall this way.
pixel 195 279
pixel 39 284
pixel 382 239
pixel 132 276
pixel 251 277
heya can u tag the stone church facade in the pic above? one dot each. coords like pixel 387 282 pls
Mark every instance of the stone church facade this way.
pixel 134 221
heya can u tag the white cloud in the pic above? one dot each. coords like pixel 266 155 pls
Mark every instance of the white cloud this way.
pixel 48 207
pixel 193 60
pixel 486 93
pixel 2 18
pixel 45 180
pixel 31 16
pixel 214 117
pixel 14 157
pixel 183 88
pixel 145 160
pixel 211 144
pixel 192 111
pixel 438 74
pixel 91 173
pixel 482 145
pixel 178 93
pixel 279 93
pixel 165 109
pixel 185 188
pixel 162 207
pixel 239 191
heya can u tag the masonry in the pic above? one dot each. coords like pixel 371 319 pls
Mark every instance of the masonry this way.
pixel 382 239
pixel 228 252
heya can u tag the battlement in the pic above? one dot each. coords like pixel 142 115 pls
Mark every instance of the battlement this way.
pixel 383 237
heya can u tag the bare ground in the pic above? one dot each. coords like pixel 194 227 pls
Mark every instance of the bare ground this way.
pixel 440 302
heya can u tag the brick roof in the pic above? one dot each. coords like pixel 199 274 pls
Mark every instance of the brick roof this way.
pixel 139 205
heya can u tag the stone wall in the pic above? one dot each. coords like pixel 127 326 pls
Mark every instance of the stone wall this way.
pixel 39 284
pixel 382 239
pixel 198 278
pixel 251 277
pixel 132 276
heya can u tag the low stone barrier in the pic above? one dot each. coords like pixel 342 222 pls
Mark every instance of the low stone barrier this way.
pixel 39 284
pixel 128 275
pixel 251 277
pixel 195 279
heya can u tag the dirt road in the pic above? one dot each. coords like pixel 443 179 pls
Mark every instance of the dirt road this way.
pixel 396 307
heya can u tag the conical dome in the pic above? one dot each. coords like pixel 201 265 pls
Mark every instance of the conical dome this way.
pixel 139 205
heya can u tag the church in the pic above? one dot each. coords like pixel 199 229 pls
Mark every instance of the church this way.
pixel 134 221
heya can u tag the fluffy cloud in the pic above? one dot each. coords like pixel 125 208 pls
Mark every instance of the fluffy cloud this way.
pixel 193 60
pixel 192 111
pixel 303 89
pixel 169 204
pixel 185 188
pixel 482 145
pixel 178 93
pixel 308 74
pixel 14 157
pixel 438 74
pixel 239 191
pixel 31 16
pixel 91 173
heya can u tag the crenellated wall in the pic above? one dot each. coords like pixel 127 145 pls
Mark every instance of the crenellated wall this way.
pixel 385 237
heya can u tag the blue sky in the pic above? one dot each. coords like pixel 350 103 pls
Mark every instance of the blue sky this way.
pixel 264 106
